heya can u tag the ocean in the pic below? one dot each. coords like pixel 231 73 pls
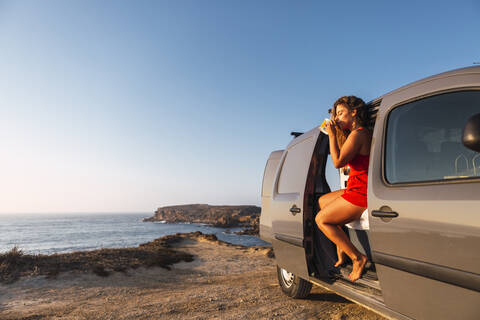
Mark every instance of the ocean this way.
pixel 60 233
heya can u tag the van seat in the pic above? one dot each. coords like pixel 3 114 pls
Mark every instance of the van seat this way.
pixel 359 224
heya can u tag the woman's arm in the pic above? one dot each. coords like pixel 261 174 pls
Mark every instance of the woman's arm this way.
pixel 349 150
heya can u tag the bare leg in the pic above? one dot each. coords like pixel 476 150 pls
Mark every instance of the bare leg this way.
pixel 340 255
pixel 323 202
pixel 328 198
pixel 339 212
pixel 358 266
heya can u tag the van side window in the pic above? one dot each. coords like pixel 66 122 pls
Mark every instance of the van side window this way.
pixel 424 139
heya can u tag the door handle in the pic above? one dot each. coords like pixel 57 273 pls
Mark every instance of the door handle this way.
pixel 294 209
pixel 384 212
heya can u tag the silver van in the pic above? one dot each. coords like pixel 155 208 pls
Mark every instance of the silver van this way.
pixel 421 231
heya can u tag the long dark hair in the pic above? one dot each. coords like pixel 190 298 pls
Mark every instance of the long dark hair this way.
pixel 352 103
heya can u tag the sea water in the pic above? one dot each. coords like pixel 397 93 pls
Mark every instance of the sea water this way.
pixel 59 233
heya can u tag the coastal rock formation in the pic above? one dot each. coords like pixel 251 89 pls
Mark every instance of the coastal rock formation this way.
pixel 217 216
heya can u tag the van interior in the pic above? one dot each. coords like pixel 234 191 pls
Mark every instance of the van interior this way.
pixel 321 253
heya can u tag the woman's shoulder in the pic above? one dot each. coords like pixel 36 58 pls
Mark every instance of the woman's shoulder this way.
pixel 362 132
pixel 363 137
pixel 362 129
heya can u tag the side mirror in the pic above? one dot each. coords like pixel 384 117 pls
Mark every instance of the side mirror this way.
pixel 471 133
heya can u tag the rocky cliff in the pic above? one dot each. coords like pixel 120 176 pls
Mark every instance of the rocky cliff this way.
pixel 217 216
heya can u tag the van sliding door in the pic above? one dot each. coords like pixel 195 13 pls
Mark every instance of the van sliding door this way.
pixel 288 203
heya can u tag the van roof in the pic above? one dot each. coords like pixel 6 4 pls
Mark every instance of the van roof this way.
pixel 466 70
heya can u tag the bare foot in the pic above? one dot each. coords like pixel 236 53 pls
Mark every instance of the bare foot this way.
pixel 358 265
pixel 341 258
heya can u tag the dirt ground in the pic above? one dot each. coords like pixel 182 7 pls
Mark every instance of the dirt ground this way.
pixel 222 282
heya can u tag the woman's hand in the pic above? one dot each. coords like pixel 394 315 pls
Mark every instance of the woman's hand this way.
pixel 331 128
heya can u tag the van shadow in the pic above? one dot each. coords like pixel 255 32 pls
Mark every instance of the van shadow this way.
pixel 327 296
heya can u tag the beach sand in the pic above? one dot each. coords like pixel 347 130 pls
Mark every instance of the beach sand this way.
pixel 222 282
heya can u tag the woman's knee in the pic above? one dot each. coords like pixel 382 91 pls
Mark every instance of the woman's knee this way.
pixel 323 201
pixel 328 198
pixel 319 219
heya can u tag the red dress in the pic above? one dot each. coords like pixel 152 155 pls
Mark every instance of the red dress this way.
pixel 356 191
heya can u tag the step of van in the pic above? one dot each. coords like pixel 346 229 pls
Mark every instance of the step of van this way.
pixel 360 288
pixel 368 273
pixel 369 277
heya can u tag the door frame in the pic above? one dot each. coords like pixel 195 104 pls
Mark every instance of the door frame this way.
pixel 316 174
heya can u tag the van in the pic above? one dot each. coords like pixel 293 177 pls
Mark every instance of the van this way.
pixel 421 230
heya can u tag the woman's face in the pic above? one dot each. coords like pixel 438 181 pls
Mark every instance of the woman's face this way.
pixel 344 117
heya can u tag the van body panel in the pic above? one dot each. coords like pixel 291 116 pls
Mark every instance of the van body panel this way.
pixel 437 228
pixel 289 186
pixel 265 228
pixel 290 257
pixel 427 298
pixel 420 234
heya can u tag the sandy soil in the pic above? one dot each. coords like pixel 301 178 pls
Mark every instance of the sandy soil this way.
pixel 223 282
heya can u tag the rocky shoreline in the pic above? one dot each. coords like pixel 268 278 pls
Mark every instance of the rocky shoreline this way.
pixel 217 216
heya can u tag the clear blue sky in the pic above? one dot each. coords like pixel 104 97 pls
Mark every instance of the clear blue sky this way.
pixel 121 106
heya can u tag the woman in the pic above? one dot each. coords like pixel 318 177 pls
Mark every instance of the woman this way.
pixel 349 117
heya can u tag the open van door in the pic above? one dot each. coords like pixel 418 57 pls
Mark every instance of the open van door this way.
pixel 288 203
pixel 300 247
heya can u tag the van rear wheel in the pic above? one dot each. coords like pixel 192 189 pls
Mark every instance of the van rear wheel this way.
pixel 292 285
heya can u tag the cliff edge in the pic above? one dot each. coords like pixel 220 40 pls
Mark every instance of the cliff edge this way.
pixel 217 216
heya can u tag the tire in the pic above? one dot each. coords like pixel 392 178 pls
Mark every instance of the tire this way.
pixel 292 285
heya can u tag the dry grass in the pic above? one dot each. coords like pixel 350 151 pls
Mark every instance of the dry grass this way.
pixel 8 263
pixel 14 263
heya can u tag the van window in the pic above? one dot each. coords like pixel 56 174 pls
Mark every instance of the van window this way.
pixel 295 167
pixel 424 139
pixel 269 174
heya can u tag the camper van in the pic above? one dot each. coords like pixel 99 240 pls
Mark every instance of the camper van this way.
pixel 421 230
